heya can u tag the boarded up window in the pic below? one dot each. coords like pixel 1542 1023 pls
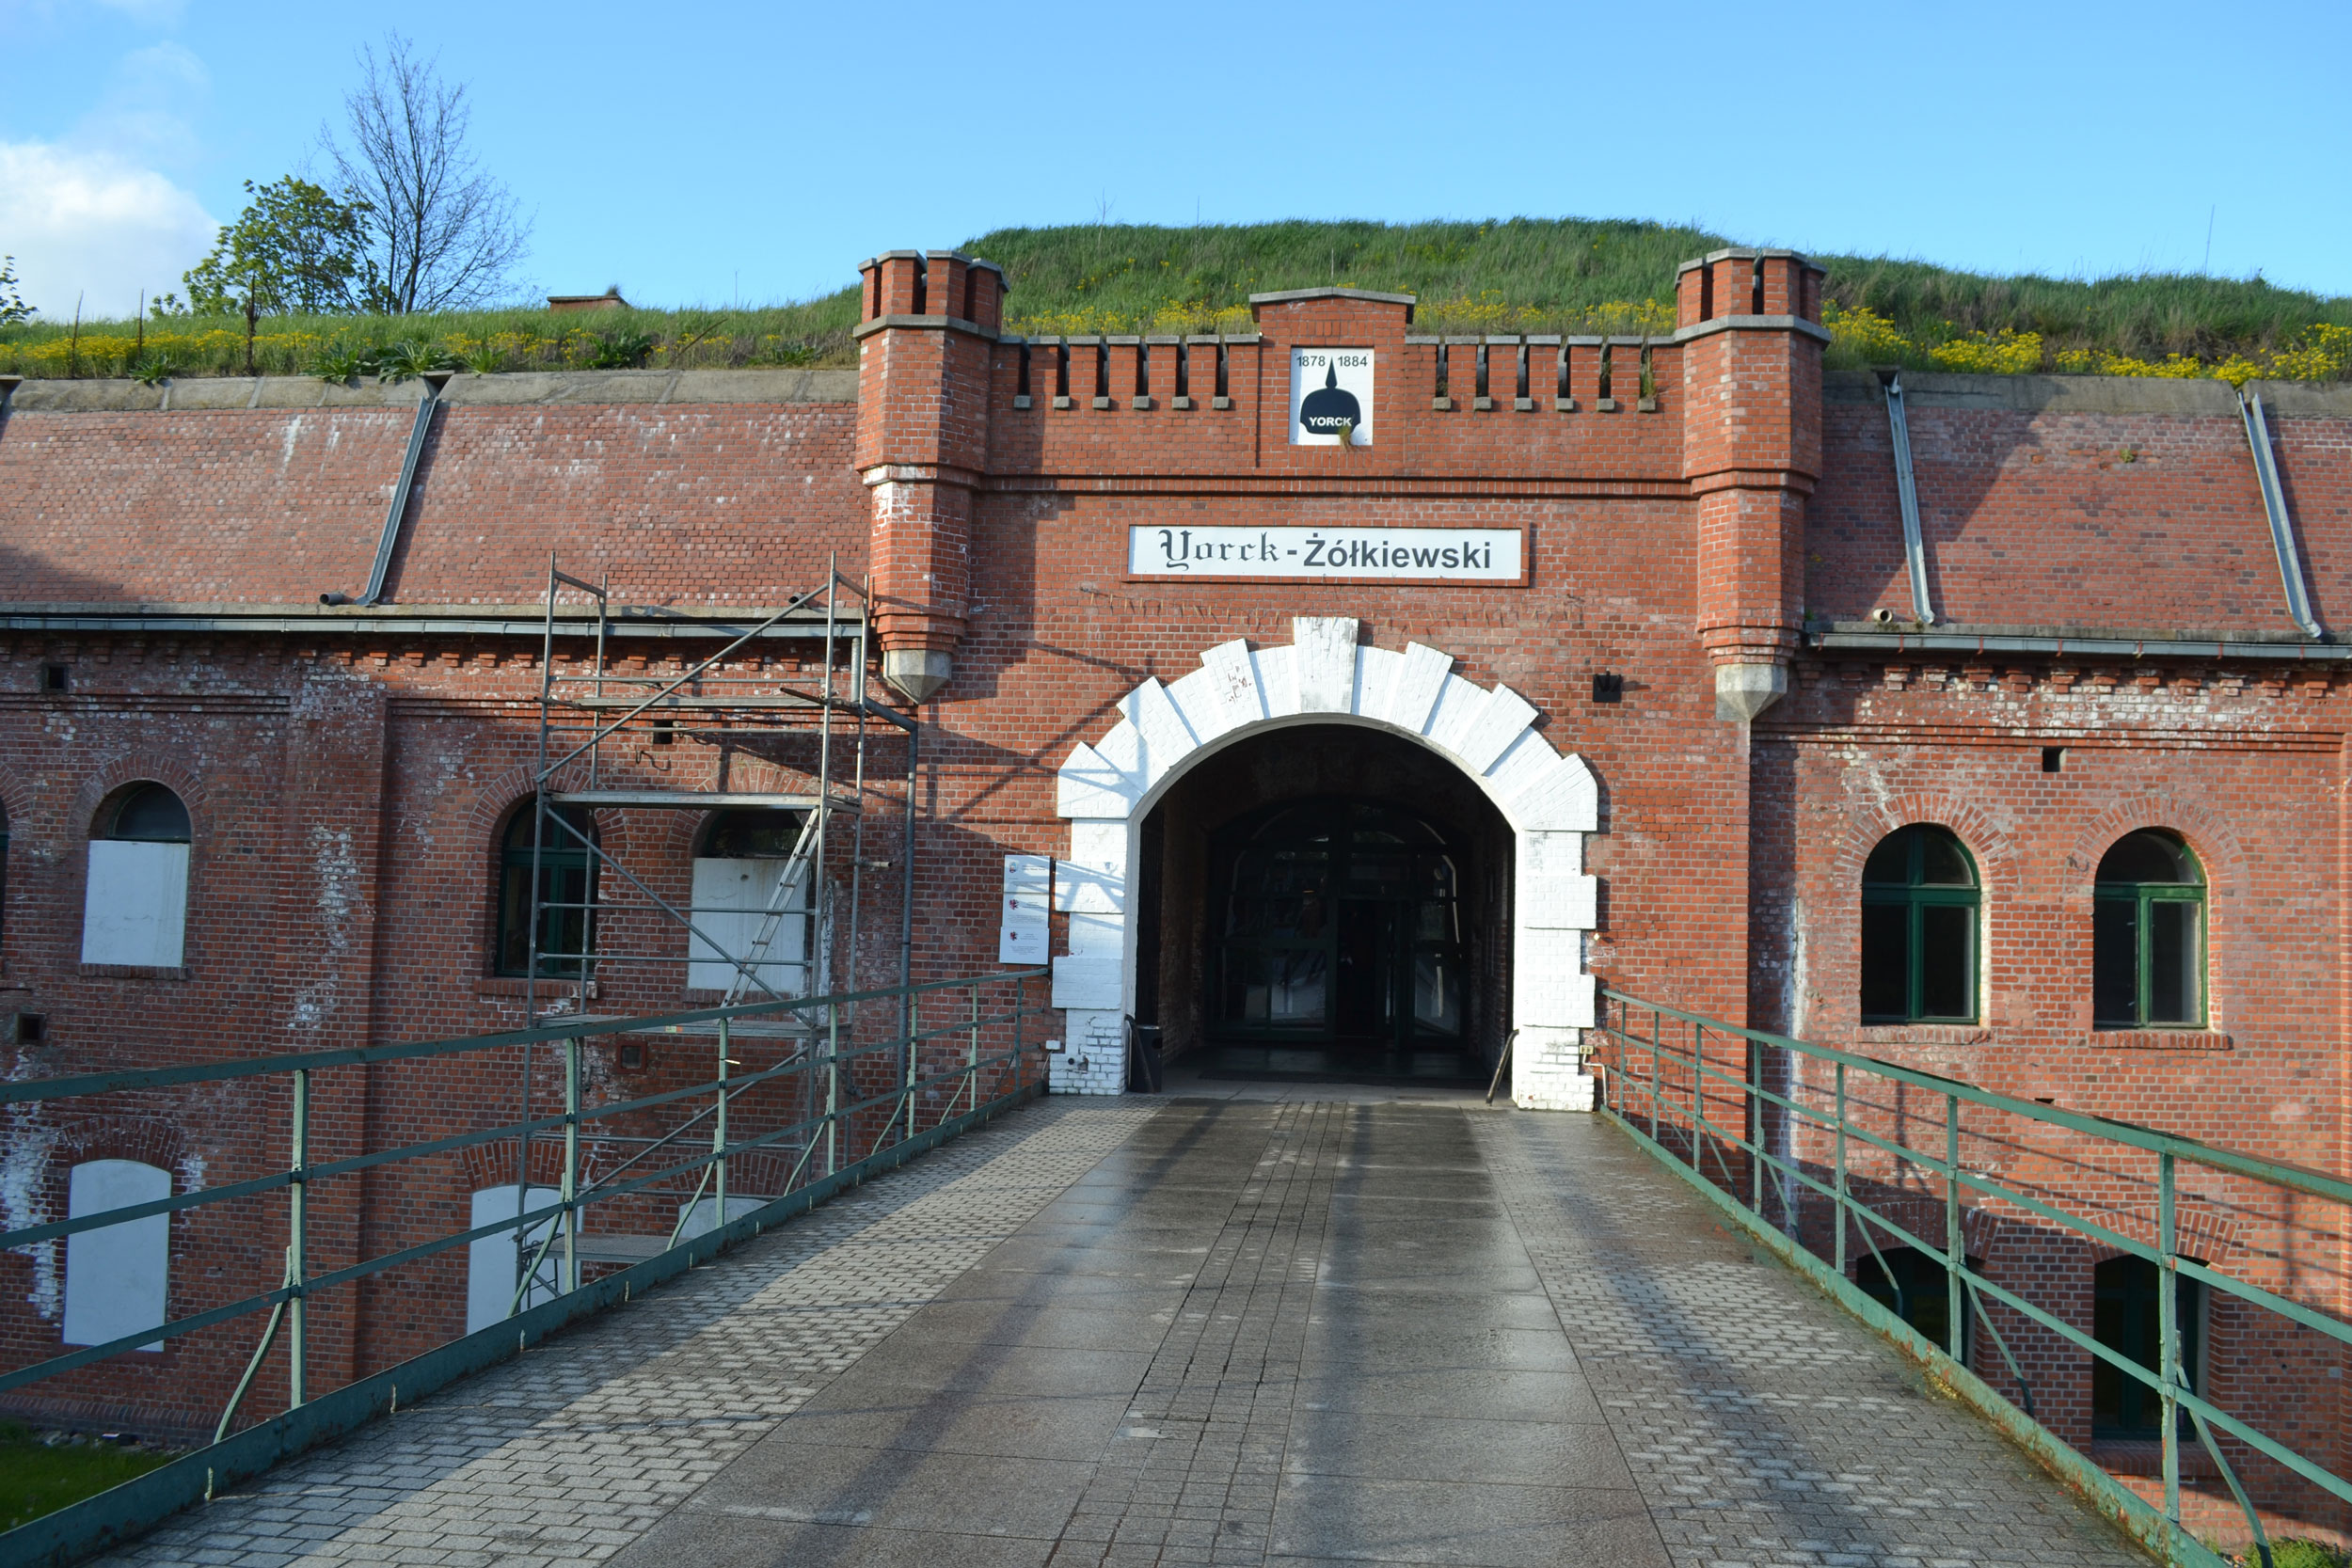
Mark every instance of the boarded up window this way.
pixel 136 911
pixel 494 1264
pixel 117 1276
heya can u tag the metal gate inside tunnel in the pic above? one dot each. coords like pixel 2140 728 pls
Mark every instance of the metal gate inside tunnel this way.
pixel 1325 900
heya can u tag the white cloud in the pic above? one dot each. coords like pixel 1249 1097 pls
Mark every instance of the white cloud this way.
pixel 96 225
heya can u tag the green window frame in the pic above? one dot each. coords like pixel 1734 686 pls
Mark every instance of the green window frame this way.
pixel 2126 1318
pixel 1920 928
pixel 567 895
pixel 2148 935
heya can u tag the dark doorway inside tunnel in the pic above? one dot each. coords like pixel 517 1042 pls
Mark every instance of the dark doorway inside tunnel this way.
pixel 1325 900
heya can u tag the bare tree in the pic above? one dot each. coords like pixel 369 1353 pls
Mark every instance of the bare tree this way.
pixel 442 235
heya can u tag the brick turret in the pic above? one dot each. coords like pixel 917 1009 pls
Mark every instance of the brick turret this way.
pixel 1749 322
pixel 929 321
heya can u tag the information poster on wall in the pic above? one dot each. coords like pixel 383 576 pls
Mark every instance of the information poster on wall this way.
pixel 1028 898
pixel 1331 397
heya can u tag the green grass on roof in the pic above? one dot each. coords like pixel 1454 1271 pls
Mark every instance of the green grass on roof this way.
pixel 1516 274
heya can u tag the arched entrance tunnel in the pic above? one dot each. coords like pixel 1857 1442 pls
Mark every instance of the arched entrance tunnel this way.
pixel 1326 900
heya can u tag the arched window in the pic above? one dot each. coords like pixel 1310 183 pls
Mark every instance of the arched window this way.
pixel 494 1264
pixel 568 893
pixel 1919 929
pixel 117 1276
pixel 2148 935
pixel 741 905
pixel 2126 1317
pixel 135 909
pixel 1913 1286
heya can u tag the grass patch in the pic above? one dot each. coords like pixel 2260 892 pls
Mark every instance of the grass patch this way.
pixel 1514 276
pixel 344 348
pixel 40 1474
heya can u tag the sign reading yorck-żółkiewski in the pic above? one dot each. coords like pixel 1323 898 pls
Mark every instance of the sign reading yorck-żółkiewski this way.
pixel 1424 554
pixel 1331 392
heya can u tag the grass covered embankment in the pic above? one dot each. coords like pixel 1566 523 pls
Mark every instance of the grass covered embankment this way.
pixel 1521 275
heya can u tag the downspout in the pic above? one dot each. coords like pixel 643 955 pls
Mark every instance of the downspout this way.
pixel 394 515
pixel 1907 493
pixel 2249 408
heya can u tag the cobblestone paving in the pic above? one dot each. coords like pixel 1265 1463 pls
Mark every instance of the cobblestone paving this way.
pixel 575 1449
pixel 1274 1332
pixel 1763 1426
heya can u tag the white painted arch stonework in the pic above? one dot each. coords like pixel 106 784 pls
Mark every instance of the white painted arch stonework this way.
pixel 1324 676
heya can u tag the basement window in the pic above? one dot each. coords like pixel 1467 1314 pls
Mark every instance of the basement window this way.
pixel 494 1264
pixel 1913 1285
pixel 56 677
pixel 2148 935
pixel 1919 902
pixel 117 1276
pixel 2126 1310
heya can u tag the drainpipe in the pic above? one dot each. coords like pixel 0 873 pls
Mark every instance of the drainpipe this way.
pixel 2249 408
pixel 1907 493
pixel 395 513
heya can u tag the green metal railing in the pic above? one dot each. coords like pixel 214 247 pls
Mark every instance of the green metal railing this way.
pixel 1806 1146
pixel 955 1057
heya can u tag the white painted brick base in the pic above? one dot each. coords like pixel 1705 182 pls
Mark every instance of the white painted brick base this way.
pixel 1093 1060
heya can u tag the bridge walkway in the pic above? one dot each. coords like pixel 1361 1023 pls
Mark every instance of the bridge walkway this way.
pixel 1126 1334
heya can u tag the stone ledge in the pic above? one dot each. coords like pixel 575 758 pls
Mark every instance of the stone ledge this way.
pixel 2200 397
pixel 506 389
pixel 1923 1034
pixel 516 986
pixel 2155 1040
pixel 135 972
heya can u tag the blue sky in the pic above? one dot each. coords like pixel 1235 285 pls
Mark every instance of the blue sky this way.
pixel 696 154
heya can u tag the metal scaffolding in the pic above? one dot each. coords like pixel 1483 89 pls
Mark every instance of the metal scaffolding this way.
pixel 599 721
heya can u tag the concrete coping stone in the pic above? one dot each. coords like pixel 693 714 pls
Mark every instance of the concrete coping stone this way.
pixel 1123 341
pixel 1745 253
pixel 507 388
pixel 1472 341
pixel 1541 339
pixel 1284 296
pixel 1162 338
pixel 951 256
pixel 1417 339
pixel 1749 324
pixel 1504 339
pixel 1084 341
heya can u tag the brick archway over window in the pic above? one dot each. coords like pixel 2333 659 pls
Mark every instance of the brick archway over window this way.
pixel 1551 801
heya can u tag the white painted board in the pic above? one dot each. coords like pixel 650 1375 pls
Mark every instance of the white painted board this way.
pixel 118 1278
pixel 135 908
pixel 730 903
pixel 491 1262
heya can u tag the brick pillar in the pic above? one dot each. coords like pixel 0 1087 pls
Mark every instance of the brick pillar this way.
pixel 924 352
pixel 1751 449
pixel 333 822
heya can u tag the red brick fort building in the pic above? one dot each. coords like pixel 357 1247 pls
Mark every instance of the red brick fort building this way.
pixel 1357 702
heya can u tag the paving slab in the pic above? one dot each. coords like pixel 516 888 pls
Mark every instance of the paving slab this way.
pixel 1240 1327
